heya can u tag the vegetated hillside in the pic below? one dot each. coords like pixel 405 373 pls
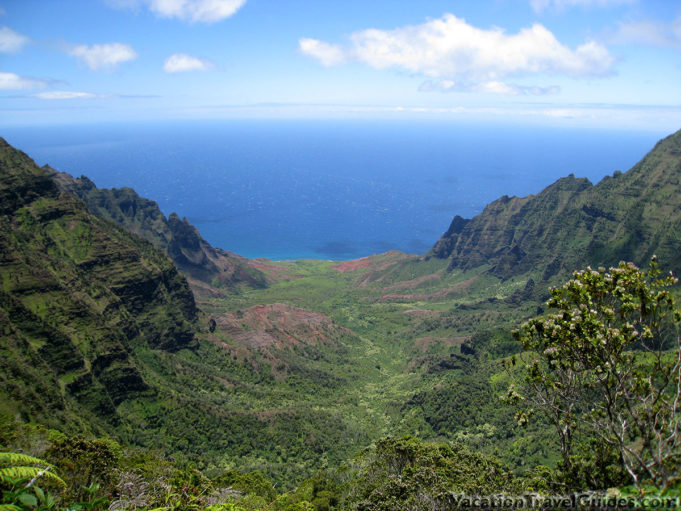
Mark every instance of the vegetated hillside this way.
pixel 629 216
pixel 209 269
pixel 99 332
pixel 77 296
pixel 329 357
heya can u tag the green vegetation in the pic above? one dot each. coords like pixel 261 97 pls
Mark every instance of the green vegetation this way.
pixel 183 243
pixel 315 385
pixel 78 296
pixel 406 473
pixel 609 360
pixel 572 223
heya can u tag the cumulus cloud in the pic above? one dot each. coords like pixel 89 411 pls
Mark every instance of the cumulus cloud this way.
pixel 181 62
pixel 541 5
pixel 103 55
pixel 203 11
pixel 11 81
pixel 62 94
pixel 450 49
pixel 327 54
pixel 11 41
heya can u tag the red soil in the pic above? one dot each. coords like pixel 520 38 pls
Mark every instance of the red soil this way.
pixel 280 326
pixel 357 264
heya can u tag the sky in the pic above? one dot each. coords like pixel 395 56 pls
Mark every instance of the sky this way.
pixel 584 63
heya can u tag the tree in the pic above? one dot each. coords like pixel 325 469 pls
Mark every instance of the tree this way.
pixel 410 474
pixel 87 465
pixel 608 360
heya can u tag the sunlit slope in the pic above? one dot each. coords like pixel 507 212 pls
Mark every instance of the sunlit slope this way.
pixel 629 216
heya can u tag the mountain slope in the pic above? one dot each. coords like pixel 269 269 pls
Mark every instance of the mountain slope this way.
pixel 208 268
pixel 99 332
pixel 77 295
pixel 572 223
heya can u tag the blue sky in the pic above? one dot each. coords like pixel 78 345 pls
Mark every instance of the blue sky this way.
pixel 591 63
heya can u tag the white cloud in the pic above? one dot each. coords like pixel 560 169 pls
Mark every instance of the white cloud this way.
pixel 11 41
pixel 651 33
pixel 181 62
pixel 103 55
pixel 205 11
pixel 61 94
pixel 327 54
pixel 541 5
pixel 11 81
pixel 448 48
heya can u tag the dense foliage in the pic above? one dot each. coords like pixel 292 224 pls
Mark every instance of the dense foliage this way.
pixel 406 473
pixel 608 361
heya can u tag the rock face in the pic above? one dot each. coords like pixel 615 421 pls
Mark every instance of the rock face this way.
pixel 193 255
pixel 573 223
pixel 78 295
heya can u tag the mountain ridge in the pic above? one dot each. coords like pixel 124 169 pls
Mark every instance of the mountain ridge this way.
pixel 99 332
pixel 572 222
pixel 210 270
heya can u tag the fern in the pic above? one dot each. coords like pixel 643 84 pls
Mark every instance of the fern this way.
pixel 22 473
pixel 10 474
pixel 15 458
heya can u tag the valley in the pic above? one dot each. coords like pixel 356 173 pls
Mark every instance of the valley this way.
pixel 135 328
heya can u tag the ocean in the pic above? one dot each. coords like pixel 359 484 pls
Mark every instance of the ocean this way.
pixel 327 189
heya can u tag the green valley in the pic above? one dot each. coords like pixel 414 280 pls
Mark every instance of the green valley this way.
pixel 366 384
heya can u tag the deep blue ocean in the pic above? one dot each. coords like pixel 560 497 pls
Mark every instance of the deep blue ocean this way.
pixel 327 189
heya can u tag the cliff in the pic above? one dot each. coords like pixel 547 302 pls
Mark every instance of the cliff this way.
pixel 193 255
pixel 77 296
pixel 572 223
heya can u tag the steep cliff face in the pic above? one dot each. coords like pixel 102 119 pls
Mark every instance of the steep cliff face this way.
pixel 572 223
pixel 77 296
pixel 193 255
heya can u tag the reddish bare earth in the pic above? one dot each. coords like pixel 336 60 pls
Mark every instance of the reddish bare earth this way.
pixel 274 272
pixel 357 264
pixel 280 326
pixel 414 283
pixel 376 262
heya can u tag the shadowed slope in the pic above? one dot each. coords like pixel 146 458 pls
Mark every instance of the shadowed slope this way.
pixel 77 294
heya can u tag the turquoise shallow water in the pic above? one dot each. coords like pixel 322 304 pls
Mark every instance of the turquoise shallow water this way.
pixel 323 189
